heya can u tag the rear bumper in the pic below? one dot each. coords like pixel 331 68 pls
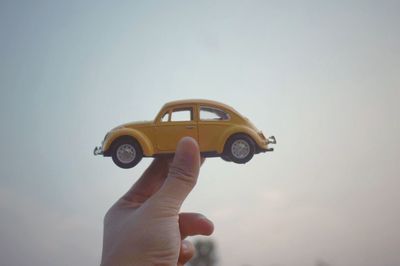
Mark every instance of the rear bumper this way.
pixel 267 150
pixel 270 140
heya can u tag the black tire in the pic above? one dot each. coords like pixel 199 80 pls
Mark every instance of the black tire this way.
pixel 226 158
pixel 240 148
pixel 126 152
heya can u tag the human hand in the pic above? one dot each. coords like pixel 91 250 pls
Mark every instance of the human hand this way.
pixel 145 227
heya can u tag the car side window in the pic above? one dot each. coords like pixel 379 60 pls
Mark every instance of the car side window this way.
pixel 165 117
pixel 212 114
pixel 182 114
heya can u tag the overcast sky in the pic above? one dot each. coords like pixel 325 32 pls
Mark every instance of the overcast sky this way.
pixel 323 77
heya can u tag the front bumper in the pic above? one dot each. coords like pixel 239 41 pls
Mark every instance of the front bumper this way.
pixel 98 150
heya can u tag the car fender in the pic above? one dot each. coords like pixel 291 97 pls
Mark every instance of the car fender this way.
pixel 238 130
pixel 142 139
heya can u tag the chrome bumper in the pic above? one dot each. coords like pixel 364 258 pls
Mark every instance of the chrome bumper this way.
pixel 98 150
pixel 271 140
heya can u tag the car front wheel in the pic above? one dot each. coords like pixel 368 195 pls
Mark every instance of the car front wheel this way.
pixel 226 158
pixel 126 153
pixel 240 149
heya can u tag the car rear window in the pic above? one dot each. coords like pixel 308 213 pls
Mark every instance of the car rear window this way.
pixel 213 114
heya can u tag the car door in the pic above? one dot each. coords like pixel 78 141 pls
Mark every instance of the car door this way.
pixel 181 122
pixel 212 123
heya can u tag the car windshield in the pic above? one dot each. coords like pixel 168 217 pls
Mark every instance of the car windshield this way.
pixel 165 117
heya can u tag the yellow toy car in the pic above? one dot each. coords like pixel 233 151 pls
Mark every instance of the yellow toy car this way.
pixel 218 128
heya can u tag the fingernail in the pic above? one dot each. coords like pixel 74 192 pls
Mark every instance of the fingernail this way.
pixel 185 245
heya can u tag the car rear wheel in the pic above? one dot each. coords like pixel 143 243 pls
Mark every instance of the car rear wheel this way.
pixel 240 148
pixel 126 153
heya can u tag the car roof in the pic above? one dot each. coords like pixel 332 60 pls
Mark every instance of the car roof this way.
pixel 200 101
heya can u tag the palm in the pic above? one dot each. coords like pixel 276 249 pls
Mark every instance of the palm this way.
pixel 145 226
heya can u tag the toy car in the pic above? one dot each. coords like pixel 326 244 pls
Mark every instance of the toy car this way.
pixel 218 128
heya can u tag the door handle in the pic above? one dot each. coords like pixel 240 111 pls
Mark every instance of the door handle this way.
pixel 189 127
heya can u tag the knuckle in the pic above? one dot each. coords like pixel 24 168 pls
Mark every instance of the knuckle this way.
pixel 182 174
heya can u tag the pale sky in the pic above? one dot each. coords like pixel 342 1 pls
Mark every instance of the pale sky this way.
pixel 323 77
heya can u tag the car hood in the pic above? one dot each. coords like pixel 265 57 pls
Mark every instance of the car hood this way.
pixel 137 124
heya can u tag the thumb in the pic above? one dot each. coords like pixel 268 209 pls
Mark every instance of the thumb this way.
pixel 182 175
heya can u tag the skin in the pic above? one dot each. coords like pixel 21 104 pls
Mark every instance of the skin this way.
pixel 144 227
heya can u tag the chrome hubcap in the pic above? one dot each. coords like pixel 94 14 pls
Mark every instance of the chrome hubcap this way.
pixel 240 149
pixel 126 153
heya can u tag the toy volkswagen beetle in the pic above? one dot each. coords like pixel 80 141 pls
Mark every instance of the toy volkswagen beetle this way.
pixel 218 128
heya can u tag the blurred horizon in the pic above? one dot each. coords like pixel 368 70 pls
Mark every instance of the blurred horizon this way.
pixel 323 77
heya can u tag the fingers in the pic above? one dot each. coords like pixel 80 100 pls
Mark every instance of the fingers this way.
pixel 182 176
pixel 186 252
pixel 191 224
pixel 149 182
